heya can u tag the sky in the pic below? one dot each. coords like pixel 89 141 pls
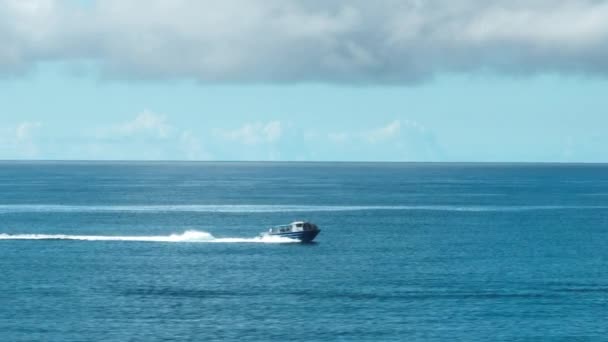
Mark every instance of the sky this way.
pixel 304 80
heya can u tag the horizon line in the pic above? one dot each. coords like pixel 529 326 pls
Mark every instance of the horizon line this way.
pixel 296 161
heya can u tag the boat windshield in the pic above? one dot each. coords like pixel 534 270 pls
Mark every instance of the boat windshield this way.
pixel 280 229
pixel 299 226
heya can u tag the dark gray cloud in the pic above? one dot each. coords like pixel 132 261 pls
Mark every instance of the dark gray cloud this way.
pixel 356 41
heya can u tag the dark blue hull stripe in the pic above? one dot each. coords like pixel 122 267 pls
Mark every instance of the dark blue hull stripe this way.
pixel 283 234
pixel 298 235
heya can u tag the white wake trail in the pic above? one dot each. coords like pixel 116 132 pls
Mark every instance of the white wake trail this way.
pixel 187 236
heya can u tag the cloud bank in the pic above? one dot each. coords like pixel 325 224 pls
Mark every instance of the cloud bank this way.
pixel 146 136
pixel 356 41
pixel 253 133
pixel 397 140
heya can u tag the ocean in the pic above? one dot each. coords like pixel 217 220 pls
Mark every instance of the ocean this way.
pixel 169 251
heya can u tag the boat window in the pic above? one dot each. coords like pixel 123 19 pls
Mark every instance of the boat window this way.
pixel 299 225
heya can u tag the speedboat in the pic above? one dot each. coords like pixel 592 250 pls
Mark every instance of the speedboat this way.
pixel 299 230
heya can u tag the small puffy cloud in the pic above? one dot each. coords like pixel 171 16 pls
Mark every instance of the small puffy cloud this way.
pixel 24 130
pixel 338 137
pixel 146 122
pixel 272 131
pixel 149 136
pixel 253 133
pixel 192 146
pixel 251 141
pixel 20 141
pixel 387 132
pixel 397 140
pixel 357 41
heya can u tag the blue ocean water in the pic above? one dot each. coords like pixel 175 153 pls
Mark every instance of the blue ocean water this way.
pixel 125 251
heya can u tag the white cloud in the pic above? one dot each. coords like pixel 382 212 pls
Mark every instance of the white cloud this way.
pixel 20 141
pixel 192 146
pixel 338 137
pixel 253 133
pixel 394 41
pixel 375 135
pixel 272 131
pixel 387 132
pixel 397 140
pixel 149 136
pixel 146 122
pixel 24 131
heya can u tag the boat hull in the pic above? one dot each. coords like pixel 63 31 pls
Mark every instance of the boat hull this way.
pixel 304 236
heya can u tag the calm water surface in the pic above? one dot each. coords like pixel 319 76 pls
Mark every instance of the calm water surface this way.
pixel 407 252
